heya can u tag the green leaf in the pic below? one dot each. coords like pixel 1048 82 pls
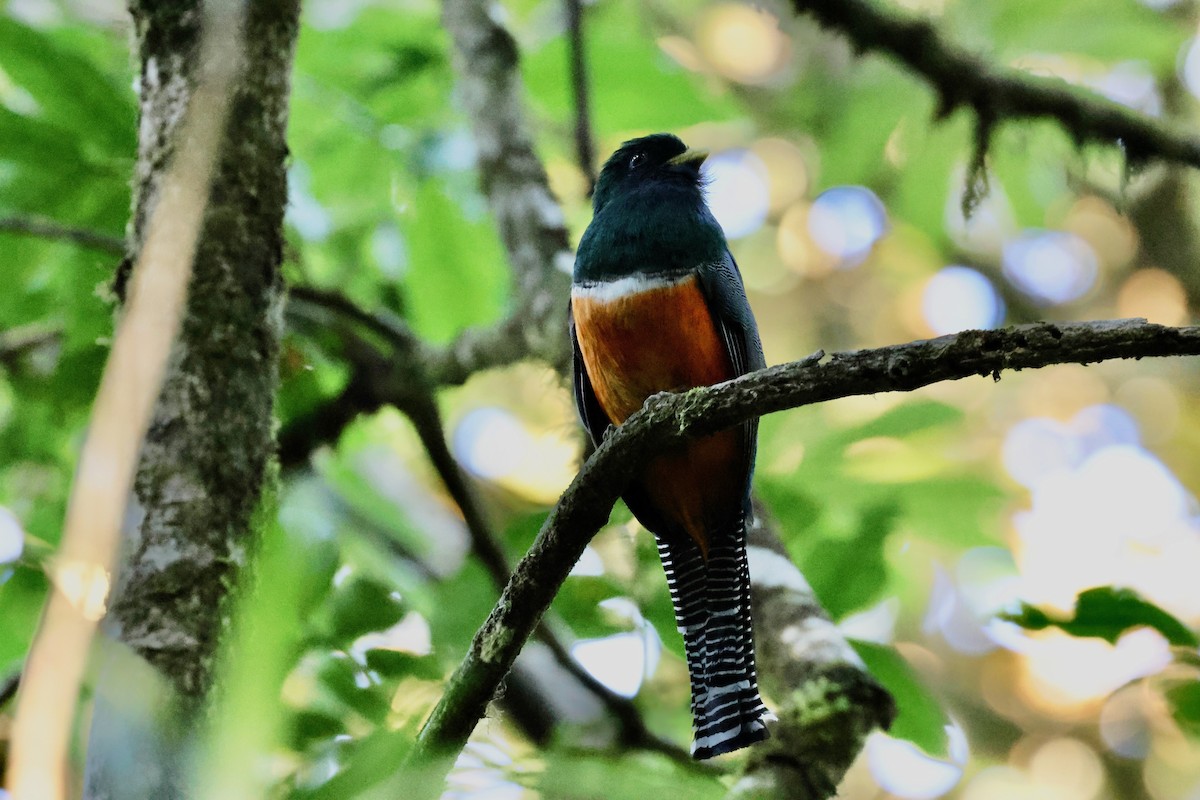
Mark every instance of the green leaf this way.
pixel 68 88
pixel 847 574
pixel 1106 612
pixel 458 274
pixel 920 718
pixel 571 776
pixel 1184 699
pixel 344 680
pixel 361 605
pixel 369 761
pixel 398 664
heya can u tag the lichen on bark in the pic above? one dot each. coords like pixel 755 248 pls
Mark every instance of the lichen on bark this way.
pixel 206 455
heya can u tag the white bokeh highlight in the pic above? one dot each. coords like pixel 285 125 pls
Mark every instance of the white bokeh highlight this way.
pixel 1050 267
pixel 960 298
pixel 904 770
pixel 846 222
pixel 12 537
pixel 737 191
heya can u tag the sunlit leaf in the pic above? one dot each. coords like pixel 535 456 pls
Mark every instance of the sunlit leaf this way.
pixel 1107 612
pixel 920 718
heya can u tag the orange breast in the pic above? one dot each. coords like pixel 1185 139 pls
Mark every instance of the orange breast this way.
pixel 664 339
pixel 657 340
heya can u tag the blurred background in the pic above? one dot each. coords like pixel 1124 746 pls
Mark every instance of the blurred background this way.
pixel 918 518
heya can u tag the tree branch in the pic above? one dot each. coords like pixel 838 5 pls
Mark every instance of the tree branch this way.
pixel 809 667
pixel 669 419
pixel 531 223
pixel 998 93
pixel 49 229
pixel 373 384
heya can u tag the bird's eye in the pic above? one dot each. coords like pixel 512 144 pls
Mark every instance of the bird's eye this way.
pixel 636 160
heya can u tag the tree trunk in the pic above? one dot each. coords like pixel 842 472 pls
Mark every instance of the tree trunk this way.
pixel 206 459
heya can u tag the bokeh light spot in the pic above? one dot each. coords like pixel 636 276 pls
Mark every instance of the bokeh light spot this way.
pixel 1154 294
pixel 1189 67
pixel 797 250
pixel 621 661
pixel 1111 235
pixel 846 222
pixel 12 537
pixel 960 298
pixel 904 770
pixel 496 446
pixel 1068 768
pixel 786 169
pixel 1050 266
pixel 742 43
pixel 737 191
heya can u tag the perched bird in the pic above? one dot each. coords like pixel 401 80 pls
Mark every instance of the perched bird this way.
pixel 657 304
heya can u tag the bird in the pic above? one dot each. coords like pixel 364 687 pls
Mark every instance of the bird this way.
pixel 658 304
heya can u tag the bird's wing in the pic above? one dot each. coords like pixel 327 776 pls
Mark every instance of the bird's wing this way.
pixel 722 285
pixel 593 417
pixel 721 282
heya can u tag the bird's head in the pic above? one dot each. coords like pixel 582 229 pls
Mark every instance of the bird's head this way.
pixel 660 157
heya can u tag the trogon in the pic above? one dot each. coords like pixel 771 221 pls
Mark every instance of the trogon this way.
pixel 658 304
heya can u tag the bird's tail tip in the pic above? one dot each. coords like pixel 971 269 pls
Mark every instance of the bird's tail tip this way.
pixel 725 727
pixel 737 734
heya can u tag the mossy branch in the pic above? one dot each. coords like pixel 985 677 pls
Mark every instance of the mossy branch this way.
pixel 667 420
pixel 995 93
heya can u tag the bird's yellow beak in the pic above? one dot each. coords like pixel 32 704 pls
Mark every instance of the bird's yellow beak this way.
pixel 689 157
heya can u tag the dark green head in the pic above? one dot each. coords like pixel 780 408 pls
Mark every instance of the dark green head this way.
pixel 656 159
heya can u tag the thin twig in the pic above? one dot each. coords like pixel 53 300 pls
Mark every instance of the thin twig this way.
pixel 42 228
pixel 668 419
pixel 416 401
pixel 995 93
pixel 131 382
pixel 585 149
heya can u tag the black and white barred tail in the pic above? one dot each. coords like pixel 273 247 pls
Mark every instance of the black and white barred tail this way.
pixel 712 610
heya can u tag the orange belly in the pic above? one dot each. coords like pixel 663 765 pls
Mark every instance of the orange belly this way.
pixel 664 339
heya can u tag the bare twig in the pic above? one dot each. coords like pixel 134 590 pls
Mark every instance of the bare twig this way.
pixel 122 412
pixel 669 419
pixel 585 149
pixel 49 229
pixel 998 94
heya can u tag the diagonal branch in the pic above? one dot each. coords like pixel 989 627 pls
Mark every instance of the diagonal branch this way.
pixel 669 419
pixel 998 93
pixel 397 378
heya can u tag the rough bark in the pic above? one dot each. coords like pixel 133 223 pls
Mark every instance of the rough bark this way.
pixel 206 459
pixel 530 220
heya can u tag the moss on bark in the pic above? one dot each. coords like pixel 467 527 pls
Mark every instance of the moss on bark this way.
pixel 206 455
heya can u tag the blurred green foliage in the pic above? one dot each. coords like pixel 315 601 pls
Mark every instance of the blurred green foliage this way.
pixel 870 496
